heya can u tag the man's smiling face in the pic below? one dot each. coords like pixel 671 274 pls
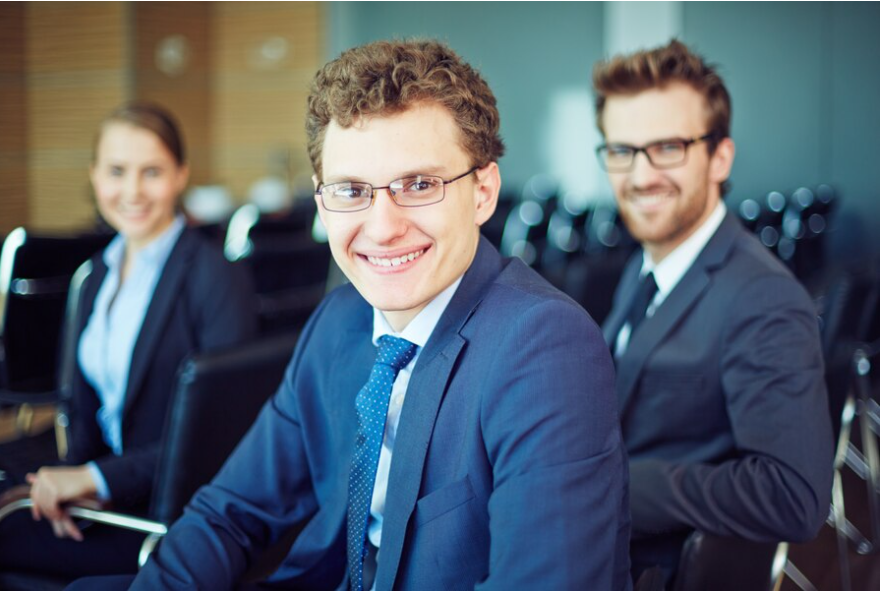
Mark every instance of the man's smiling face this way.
pixel 662 208
pixel 400 258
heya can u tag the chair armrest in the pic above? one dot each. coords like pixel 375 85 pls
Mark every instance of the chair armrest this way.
pixel 13 503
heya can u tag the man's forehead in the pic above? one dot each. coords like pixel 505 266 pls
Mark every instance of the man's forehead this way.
pixel 676 110
pixel 420 140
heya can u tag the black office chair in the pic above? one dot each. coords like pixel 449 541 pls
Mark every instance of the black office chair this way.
pixel 35 274
pixel 592 276
pixel 729 564
pixel 40 281
pixel 651 579
pixel 218 397
pixel 289 266
pixel 526 228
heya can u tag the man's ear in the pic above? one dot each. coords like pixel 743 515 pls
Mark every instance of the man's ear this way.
pixel 317 198
pixel 721 161
pixel 486 192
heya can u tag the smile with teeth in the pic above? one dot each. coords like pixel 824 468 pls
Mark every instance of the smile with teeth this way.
pixel 394 261
pixel 650 198
pixel 133 210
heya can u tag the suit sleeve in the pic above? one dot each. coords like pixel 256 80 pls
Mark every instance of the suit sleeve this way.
pixel 778 485
pixel 558 510
pixel 222 313
pixel 264 488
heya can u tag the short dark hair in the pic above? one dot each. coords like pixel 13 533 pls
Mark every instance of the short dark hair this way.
pixel 388 77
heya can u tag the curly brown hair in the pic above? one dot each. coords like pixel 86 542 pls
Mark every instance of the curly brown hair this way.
pixel 388 77
pixel 657 68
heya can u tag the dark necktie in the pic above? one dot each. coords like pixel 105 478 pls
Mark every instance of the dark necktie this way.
pixel 645 293
pixel 372 407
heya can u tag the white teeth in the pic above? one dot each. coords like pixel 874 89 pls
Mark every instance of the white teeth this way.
pixel 395 261
pixel 648 199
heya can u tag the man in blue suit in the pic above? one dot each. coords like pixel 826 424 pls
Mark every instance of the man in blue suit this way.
pixel 720 375
pixel 486 447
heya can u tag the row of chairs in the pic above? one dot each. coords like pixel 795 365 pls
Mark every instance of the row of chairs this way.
pixel 794 227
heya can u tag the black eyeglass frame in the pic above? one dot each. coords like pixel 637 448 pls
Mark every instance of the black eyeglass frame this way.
pixel 373 190
pixel 635 150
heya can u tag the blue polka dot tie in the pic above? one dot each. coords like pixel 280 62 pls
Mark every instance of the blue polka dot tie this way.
pixel 372 407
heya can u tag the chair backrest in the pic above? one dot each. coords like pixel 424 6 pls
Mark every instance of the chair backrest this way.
pixel 725 564
pixel 849 317
pixel 218 397
pixel 35 274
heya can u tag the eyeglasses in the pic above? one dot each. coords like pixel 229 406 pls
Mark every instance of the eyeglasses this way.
pixel 661 155
pixel 411 191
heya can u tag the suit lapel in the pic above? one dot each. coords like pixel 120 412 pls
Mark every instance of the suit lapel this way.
pixel 625 293
pixel 424 396
pixel 168 291
pixel 681 300
pixel 90 294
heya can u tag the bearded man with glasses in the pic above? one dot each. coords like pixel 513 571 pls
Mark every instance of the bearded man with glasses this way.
pixel 448 420
pixel 720 375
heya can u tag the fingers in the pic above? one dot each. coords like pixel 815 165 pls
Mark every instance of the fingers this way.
pixel 31 479
pixel 46 498
pixel 66 528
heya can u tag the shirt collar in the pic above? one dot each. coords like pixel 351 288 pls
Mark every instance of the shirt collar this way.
pixel 669 271
pixel 420 328
pixel 156 250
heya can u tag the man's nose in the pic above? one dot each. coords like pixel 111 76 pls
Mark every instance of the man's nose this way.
pixel 386 221
pixel 642 173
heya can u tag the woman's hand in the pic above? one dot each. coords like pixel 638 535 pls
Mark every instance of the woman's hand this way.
pixel 51 487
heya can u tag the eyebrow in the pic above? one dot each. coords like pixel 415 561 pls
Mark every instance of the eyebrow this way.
pixel 662 140
pixel 433 170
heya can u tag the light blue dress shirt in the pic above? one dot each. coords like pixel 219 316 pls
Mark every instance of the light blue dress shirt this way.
pixel 108 341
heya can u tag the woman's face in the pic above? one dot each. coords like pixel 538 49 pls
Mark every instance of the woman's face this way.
pixel 137 182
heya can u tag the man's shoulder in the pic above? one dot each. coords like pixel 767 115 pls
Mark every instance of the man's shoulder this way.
pixel 519 289
pixel 344 307
pixel 752 277
pixel 749 260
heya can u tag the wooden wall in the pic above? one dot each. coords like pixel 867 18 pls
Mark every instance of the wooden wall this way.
pixel 13 117
pixel 77 71
pixel 240 95
pixel 265 54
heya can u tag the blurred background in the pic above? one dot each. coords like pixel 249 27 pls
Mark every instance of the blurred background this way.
pixel 803 77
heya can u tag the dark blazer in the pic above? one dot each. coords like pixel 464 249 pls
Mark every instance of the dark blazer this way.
pixel 508 470
pixel 201 302
pixel 722 399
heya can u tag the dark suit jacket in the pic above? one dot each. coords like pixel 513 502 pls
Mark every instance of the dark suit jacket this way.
pixel 722 400
pixel 201 302
pixel 508 470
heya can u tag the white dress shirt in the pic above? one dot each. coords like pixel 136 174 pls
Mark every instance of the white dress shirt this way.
pixel 671 269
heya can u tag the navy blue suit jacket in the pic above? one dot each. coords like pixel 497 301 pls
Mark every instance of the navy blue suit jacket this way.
pixel 508 470
pixel 201 302
pixel 722 400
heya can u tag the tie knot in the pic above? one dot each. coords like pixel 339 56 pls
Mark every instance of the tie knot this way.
pixel 395 352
